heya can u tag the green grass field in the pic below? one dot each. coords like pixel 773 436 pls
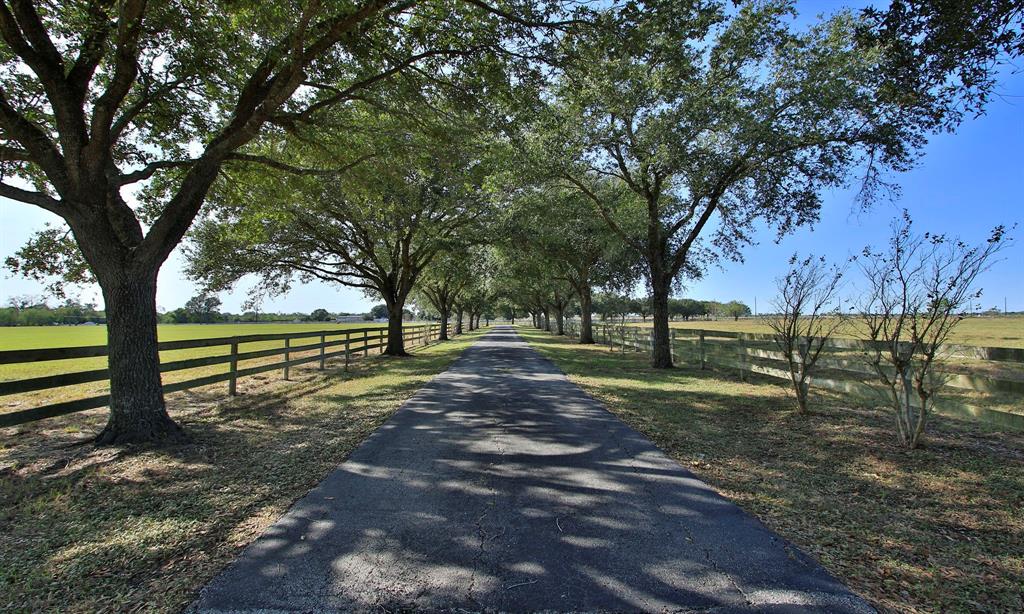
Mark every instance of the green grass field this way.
pixel 982 331
pixel 31 337
pixel 989 331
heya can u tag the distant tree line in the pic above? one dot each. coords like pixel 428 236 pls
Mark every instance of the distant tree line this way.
pixel 609 306
pixel 33 311
pixel 201 309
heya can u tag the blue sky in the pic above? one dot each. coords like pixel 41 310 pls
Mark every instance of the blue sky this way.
pixel 965 184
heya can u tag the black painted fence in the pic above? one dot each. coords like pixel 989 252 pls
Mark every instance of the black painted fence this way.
pixel 344 343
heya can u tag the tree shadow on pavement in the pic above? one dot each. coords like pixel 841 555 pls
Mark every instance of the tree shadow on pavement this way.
pixel 501 486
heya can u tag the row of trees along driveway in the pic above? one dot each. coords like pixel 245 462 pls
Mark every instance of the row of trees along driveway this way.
pixel 368 137
pixel 98 98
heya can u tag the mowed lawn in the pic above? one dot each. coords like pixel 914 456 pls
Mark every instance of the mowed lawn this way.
pixel 33 337
pixel 988 331
pixel 939 529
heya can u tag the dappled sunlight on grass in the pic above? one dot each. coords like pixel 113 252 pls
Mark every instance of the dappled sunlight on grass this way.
pixel 84 529
pixel 937 529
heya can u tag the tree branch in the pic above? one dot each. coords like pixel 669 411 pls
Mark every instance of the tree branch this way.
pixel 32 198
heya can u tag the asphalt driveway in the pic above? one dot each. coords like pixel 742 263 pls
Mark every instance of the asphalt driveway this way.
pixel 501 486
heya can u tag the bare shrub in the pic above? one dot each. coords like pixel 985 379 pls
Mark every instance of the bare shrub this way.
pixel 918 289
pixel 806 316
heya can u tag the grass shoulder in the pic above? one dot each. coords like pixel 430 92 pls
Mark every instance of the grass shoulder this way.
pixel 936 529
pixel 118 529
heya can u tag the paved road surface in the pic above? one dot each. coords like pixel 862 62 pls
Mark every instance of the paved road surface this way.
pixel 501 486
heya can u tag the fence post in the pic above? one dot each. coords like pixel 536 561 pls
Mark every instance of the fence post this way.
pixel 703 354
pixel 366 343
pixel 742 354
pixel 233 370
pixel 347 342
pixel 287 355
pixel 323 343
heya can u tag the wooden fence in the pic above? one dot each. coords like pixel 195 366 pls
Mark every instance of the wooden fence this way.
pixel 842 367
pixel 350 342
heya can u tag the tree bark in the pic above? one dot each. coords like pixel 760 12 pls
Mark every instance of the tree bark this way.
pixel 396 336
pixel 458 321
pixel 560 319
pixel 444 327
pixel 137 410
pixel 586 323
pixel 547 319
pixel 661 356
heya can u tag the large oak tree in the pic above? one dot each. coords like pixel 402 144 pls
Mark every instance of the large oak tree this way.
pixel 99 96
pixel 375 226
pixel 718 121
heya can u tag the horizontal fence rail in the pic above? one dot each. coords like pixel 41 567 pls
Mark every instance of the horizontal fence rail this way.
pixel 342 343
pixel 757 353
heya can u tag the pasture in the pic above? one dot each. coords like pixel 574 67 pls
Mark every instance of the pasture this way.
pixel 989 331
pixel 36 337
pixel 975 385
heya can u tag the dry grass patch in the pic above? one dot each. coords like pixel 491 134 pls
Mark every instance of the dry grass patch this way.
pixel 141 528
pixel 934 530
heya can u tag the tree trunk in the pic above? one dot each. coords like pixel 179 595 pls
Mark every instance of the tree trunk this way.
pixel 547 319
pixel 458 321
pixel 444 326
pixel 586 325
pixel 661 356
pixel 396 337
pixel 137 410
pixel 560 319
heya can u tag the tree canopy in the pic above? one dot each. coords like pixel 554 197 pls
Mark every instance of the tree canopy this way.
pixel 559 147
